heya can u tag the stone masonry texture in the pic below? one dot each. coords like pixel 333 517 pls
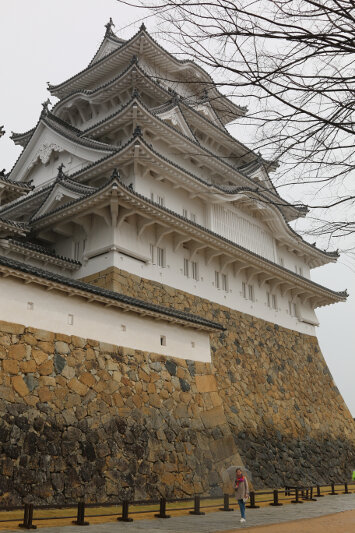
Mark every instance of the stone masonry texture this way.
pixel 84 418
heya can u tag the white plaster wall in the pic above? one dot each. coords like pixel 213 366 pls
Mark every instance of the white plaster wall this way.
pixel 173 275
pixel 51 312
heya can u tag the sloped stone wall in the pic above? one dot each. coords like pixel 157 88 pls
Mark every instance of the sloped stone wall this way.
pixel 81 418
pixel 288 419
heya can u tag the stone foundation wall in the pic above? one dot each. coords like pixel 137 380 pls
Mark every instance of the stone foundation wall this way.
pixel 287 417
pixel 83 418
pixel 79 417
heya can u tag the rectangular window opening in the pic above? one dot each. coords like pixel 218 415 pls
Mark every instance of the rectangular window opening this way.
pixel 162 340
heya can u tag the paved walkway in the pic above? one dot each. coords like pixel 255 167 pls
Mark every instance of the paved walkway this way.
pixel 220 521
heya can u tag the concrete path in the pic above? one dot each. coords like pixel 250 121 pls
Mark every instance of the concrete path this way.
pixel 220 521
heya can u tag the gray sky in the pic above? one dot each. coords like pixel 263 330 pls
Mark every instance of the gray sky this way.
pixel 50 40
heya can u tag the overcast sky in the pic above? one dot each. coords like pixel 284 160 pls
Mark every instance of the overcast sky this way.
pixel 50 40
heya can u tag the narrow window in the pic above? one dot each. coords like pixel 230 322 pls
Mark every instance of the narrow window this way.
pixel 274 302
pixel 76 250
pixel 294 309
pixel 186 267
pixel 184 213
pixel 161 257
pixel 194 268
pixel 251 292
pixel 244 290
pixel 162 340
pixel 152 196
pixel 152 253
pixel 160 200
pixel 216 279
pixel 268 299
pixel 224 282
pixel 290 307
pixel 70 319
pixel 300 271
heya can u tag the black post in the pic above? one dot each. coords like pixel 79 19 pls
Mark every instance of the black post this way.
pixel 333 493
pixel 297 500
pixel 162 510
pixel 311 495
pixel 276 499
pixel 80 517
pixel 124 517
pixel 226 503
pixel 28 517
pixel 252 501
pixel 346 489
pixel 197 506
pixel 319 495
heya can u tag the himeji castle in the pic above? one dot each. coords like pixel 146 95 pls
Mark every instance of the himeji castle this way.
pixel 133 168
pixel 153 291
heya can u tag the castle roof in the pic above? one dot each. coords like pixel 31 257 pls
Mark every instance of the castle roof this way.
pixel 142 42
pixel 135 203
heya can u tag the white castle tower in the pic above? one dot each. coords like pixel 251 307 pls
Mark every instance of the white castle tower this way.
pixel 133 168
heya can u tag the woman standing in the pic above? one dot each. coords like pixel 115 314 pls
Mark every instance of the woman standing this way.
pixel 241 492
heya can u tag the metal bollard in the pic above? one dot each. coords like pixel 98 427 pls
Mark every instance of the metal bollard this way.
pixel 333 493
pixel 124 517
pixel 162 510
pixel 226 503
pixel 319 495
pixel 252 501
pixel 276 502
pixel 197 504
pixel 297 500
pixel 28 517
pixel 80 518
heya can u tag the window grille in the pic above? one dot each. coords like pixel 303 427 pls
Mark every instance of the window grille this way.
pixel 161 257
pixel 194 268
pixel 186 268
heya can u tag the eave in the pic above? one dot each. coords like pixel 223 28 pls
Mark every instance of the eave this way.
pixel 64 131
pixel 9 227
pixel 103 67
pixel 26 250
pixel 184 179
pixel 178 138
pixel 121 202
pixel 91 293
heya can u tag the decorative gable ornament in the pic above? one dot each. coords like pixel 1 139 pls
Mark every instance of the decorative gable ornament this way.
pixel 45 152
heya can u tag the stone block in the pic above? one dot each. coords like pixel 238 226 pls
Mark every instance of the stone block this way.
pixel 206 383
pixel 214 417
pixel 88 379
pixel 61 347
pixel 17 351
pixel 41 334
pixel 20 386
pixel 46 368
pixel 28 366
pixel 78 387
pixel 45 395
pixel 9 327
pixel 10 366
pixel 39 356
